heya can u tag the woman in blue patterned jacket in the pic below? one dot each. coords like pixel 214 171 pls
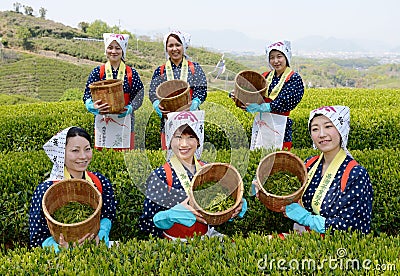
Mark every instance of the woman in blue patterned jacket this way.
pixel 178 66
pixel 339 193
pixel 113 125
pixel 285 87
pixel 70 151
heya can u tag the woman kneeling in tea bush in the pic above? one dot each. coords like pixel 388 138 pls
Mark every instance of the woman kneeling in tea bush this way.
pixel 166 212
pixel 339 193
pixel 71 152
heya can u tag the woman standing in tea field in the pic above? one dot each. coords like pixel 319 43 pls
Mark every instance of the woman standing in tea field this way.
pixel 285 90
pixel 178 66
pixel 71 152
pixel 166 212
pixel 338 194
pixel 109 128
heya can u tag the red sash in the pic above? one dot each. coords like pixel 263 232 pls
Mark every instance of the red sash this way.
pixel 182 231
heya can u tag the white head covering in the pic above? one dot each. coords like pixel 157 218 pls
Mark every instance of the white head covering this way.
pixel 194 119
pixel 121 39
pixel 283 46
pixel 340 117
pixel 55 150
pixel 184 37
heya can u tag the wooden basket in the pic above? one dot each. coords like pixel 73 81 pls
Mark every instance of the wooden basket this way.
pixel 250 87
pixel 174 95
pixel 63 192
pixel 111 92
pixel 228 177
pixel 276 162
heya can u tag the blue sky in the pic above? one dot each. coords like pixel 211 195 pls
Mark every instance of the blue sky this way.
pixel 269 20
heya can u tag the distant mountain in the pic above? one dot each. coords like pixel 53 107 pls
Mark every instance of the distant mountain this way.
pixel 237 42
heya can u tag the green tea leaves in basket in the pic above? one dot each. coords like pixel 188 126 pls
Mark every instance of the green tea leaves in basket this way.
pixel 73 212
pixel 213 197
pixel 281 183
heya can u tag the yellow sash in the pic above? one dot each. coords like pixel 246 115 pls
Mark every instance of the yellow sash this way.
pixel 121 71
pixel 184 70
pixel 68 176
pixel 181 172
pixel 275 91
pixel 326 180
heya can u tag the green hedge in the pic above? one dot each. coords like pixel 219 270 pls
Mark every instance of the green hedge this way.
pixel 29 126
pixel 128 172
pixel 309 254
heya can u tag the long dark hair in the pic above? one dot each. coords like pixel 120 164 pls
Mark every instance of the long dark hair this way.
pixel 77 131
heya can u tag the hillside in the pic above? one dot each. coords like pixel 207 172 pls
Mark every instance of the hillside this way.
pixel 51 61
pixel 40 59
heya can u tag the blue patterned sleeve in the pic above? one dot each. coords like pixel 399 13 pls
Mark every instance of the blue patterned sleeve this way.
pixel 156 80
pixel 290 96
pixel 93 77
pixel 150 207
pixel 136 91
pixel 198 83
pixel 38 229
pixel 108 209
pixel 354 206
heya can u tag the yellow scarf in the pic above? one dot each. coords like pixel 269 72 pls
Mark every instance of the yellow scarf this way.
pixel 121 71
pixel 181 172
pixel 67 175
pixel 275 91
pixel 326 180
pixel 184 70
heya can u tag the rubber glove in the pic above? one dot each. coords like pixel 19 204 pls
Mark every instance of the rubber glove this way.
pixel 177 214
pixel 104 232
pixel 243 211
pixel 50 241
pixel 128 110
pixel 254 189
pixel 195 104
pixel 90 107
pixel 297 213
pixel 157 108
pixel 264 107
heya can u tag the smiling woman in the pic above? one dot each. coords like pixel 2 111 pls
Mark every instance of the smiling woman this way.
pixel 177 66
pixel 71 152
pixel 166 212
pixel 110 127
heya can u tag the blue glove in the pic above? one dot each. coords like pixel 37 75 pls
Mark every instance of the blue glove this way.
pixel 51 242
pixel 254 189
pixel 156 108
pixel 90 107
pixel 243 211
pixel 177 214
pixel 195 104
pixel 104 232
pixel 264 107
pixel 297 213
pixel 128 110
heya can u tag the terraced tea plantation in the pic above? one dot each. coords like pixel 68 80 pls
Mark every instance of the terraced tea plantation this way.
pixel 246 249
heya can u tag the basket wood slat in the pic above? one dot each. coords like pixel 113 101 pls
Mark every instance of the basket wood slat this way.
pixel 109 91
pixel 72 190
pixel 174 95
pixel 229 178
pixel 276 162
pixel 250 87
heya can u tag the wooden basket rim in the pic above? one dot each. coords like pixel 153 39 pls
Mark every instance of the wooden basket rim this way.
pixel 237 200
pixel 99 84
pixel 260 186
pixel 174 97
pixel 49 217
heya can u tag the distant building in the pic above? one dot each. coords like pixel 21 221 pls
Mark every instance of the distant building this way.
pixel 87 39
